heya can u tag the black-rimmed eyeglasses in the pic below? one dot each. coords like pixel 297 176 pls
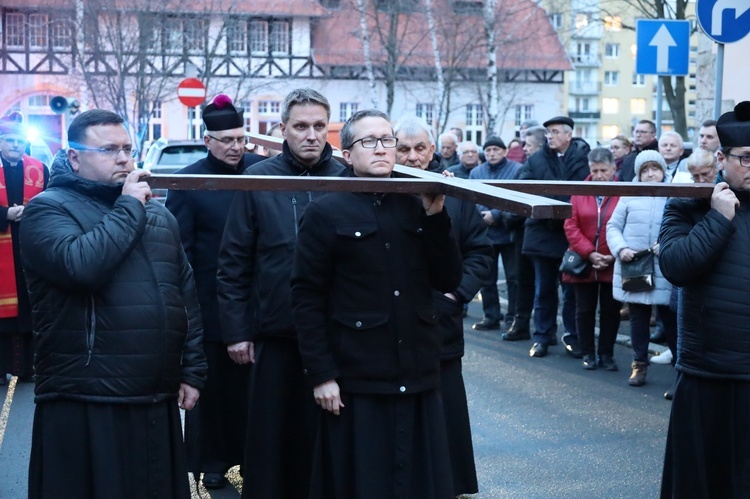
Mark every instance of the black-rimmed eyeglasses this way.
pixel 744 159
pixel 372 142
pixel 110 152
pixel 229 141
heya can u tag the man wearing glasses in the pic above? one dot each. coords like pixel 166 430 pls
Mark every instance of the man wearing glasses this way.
pixel 21 178
pixel 216 432
pixel 255 304
pixel 364 270
pixel 644 139
pixel 703 249
pixel 117 326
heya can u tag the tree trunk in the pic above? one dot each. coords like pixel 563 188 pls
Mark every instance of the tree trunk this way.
pixel 492 94
pixel 362 7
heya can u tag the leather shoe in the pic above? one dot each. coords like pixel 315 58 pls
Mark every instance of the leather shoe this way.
pixel 485 325
pixel 589 362
pixel 607 363
pixel 571 346
pixel 515 333
pixel 538 350
pixel 214 481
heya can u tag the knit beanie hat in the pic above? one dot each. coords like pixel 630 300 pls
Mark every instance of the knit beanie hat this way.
pixel 647 156
pixel 494 140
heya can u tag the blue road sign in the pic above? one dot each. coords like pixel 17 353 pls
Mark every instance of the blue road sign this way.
pixel 663 47
pixel 724 21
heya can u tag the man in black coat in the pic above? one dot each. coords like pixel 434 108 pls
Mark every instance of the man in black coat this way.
pixel 255 303
pixel 215 433
pixel 364 272
pixel 703 249
pixel 563 157
pixel 644 140
pixel 117 327
pixel 416 148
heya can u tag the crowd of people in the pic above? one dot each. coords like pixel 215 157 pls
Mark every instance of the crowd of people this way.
pixel 315 339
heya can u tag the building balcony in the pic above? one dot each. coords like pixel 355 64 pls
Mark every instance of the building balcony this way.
pixel 585 88
pixel 585 115
pixel 585 60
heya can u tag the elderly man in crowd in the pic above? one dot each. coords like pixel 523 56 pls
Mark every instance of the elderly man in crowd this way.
pixel 671 148
pixel 468 154
pixel 703 165
pixel 448 150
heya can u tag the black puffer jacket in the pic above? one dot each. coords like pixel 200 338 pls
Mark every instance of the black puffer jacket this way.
pixel 546 238
pixel 115 311
pixel 706 255
pixel 255 257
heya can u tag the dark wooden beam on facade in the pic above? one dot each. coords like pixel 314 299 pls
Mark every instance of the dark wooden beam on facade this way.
pixel 565 188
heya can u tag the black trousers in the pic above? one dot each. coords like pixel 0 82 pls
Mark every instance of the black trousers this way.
pixel 588 296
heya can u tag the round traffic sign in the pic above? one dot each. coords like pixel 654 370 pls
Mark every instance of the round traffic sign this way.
pixel 724 21
pixel 191 92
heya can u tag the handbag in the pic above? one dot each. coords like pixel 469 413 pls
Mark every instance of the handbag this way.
pixel 638 273
pixel 574 264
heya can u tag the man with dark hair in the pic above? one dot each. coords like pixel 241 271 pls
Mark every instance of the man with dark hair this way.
pixel 497 167
pixel 563 157
pixel 708 137
pixel 644 139
pixel 703 249
pixel 21 178
pixel 255 260
pixel 216 431
pixel 365 268
pixel 116 322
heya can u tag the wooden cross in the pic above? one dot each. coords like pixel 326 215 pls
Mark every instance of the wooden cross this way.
pixel 515 196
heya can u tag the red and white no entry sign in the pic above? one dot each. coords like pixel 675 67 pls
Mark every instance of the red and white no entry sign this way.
pixel 191 92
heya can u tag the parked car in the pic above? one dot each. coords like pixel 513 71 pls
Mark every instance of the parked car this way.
pixel 167 156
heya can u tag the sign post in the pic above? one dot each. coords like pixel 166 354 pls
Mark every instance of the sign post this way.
pixel 192 93
pixel 723 21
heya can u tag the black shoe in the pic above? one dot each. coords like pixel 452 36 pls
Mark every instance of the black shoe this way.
pixel 669 394
pixel 516 333
pixel 571 346
pixel 214 481
pixel 485 325
pixel 589 362
pixel 538 350
pixel 608 363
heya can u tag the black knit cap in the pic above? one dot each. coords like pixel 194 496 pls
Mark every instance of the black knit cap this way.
pixel 494 140
pixel 559 120
pixel 733 127
pixel 12 124
pixel 222 115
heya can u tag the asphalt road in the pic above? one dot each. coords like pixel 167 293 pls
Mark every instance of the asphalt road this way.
pixel 542 428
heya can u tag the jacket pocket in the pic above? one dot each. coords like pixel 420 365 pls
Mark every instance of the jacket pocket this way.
pixel 359 248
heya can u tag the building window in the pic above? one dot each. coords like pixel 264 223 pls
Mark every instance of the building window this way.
pixel 155 122
pixel 14 29
pixel 426 111
pixel 195 123
pixel 347 109
pixel 639 80
pixel 582 104
pixel 474 123
pixel 39 101
pixel 195 34
pixel 611 78
pixel 610 105
pixel 247 116
pixel 582 19
pixel 265 35
pixel 236 35
pixel 269 107
pixel 524 112
pixel 612 50
pixel 612 23
pixel 258 37
pixel 610 131
pixel 60 34
pixel 38 31
pixel 556 19
pixel 279 37
pixel 173 34
pixel 637 106
pixel 583 52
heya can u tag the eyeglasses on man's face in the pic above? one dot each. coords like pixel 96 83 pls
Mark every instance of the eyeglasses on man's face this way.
pixel 744 159
pixel 229 141
pixel 14 140
pixel 110 152
pixel 372 142
pixel 642 132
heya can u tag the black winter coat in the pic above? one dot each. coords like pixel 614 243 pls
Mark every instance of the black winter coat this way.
pixel 364 270
pixel 546 238
pixel 201 216
pixel 255 258
pixel 706 255
pixel 115 311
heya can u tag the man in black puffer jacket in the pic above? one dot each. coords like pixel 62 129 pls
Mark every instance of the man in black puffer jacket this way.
pixel 116 323
pixel 703 249
pixel 563 157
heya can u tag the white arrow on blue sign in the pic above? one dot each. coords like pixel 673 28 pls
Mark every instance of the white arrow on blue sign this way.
pixel 663 47
pixel 724 21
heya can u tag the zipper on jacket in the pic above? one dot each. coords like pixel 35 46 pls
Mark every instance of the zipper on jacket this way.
pixel 296 221
pixel 91 330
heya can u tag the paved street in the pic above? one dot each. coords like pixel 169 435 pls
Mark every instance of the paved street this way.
pixel 543 428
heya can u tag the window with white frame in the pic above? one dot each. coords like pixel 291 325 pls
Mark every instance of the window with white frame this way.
pixel 236 35
pixel 638 106
pixel 38 24
pixel 524 112
pixel 194 34
pixel 426 111
pixel 611 78
pixel 556 19
pixel 195 123
pixel 612 50
pixel 39 101
pixel 279 37
pixel 582 104
pixel 474 123
pixel 155 121
pixel 612 23
pixel 247 116
pixel 258 37
pixel 639 80
pixel 582 19
pixel 610 105
pixel 273 36
pixel 15 29
pixel 269 107
pixel 60 34
pixel 172 34
pixel 347 109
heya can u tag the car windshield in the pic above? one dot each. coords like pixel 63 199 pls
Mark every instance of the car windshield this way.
pixel 182 155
